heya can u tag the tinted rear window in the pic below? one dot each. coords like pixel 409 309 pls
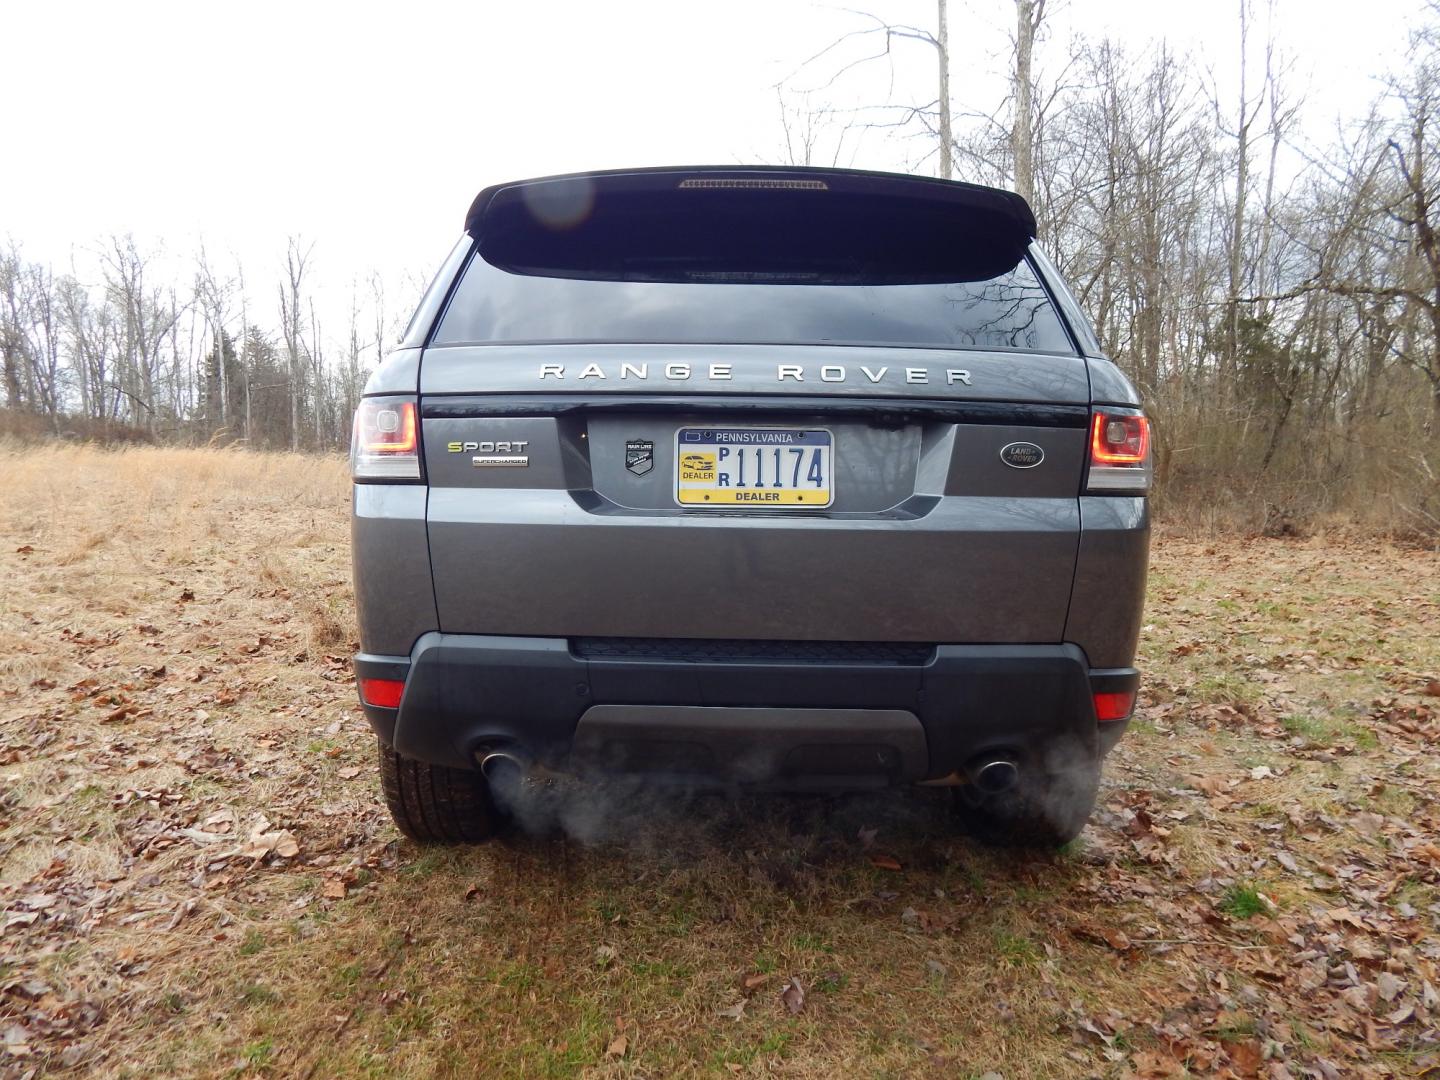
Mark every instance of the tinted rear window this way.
pixel 1009 310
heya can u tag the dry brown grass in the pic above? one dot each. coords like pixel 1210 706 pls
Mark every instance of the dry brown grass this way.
pixel 168 648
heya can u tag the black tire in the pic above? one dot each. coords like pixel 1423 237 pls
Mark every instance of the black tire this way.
pixel 435 804
pixel 1047 808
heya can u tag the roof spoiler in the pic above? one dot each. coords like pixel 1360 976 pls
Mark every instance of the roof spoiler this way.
pixel 751 223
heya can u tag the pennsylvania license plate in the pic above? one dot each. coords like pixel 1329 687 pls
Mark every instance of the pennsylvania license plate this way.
pixel 780 467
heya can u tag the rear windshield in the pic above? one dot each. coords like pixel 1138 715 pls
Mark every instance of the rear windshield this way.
pixel 1009 310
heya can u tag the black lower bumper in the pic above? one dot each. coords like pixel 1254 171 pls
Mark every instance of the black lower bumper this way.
pixel 836 714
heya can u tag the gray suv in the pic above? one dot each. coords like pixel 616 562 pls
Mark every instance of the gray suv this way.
pixel 798 479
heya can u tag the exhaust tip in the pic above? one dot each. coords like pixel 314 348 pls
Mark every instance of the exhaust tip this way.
pixel 994 776
pixel 502 769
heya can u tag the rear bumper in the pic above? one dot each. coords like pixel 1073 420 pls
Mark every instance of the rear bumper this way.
pixel 792 714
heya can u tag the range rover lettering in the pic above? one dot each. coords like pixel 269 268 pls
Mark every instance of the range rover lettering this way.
pixel 813 479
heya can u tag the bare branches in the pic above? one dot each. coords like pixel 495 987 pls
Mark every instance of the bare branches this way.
pixel 883 35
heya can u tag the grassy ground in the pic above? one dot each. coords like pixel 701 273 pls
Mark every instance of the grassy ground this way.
pixel 196 876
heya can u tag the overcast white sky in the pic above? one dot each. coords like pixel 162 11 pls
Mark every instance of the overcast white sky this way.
pixel 369 127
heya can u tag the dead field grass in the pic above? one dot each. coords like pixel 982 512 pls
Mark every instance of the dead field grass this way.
pixel 197 878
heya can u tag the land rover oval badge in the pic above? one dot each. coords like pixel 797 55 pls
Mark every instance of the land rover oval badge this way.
pixel 1022 455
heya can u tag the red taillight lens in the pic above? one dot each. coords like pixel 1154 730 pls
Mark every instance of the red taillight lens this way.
pixel 1114 705
pixel 387 427
pixel 385 693
pixel 385 444
pixel 1119 440
pixel 1119 452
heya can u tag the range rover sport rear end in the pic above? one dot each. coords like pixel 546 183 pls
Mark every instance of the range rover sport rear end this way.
pixel 793 478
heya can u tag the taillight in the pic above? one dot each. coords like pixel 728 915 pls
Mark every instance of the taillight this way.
pixel 385 442
pixel 1119 452
pixel 385 693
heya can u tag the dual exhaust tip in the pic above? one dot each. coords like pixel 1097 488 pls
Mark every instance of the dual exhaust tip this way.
pixel 990 774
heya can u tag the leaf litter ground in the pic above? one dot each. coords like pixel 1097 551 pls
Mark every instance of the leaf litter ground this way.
pixel 197 878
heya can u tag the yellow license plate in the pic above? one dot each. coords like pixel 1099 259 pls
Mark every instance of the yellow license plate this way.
pixel 787 468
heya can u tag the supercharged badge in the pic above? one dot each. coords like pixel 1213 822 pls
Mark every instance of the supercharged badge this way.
pixel 501 453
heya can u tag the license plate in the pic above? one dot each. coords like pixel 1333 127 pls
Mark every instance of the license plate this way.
pixel 761 467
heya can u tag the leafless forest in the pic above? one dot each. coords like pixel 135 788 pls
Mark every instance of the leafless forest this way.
pixel 1277 298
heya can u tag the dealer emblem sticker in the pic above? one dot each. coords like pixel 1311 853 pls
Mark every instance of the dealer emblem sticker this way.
pixel 639 456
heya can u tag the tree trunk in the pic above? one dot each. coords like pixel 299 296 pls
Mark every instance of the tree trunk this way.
pixel 1028 14
pixel 942 47
pixel 1237 222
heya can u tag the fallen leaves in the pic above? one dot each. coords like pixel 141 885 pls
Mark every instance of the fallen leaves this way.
pixel 264 841
pixel 605 956
pixel 124 712
pixel 1104 935
pixel 733 1012
pixel 1212 786
pixel 158 813
pixel 1368 823
pixel 29 989
pixel 1388 986
pixel 792 995
pixel 16 1041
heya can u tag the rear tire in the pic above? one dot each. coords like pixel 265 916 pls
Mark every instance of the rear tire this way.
pixel 435 804
pixel 1047 808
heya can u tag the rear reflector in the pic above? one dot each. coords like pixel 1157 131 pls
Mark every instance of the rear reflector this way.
pixel 1115 705
pixel 384 693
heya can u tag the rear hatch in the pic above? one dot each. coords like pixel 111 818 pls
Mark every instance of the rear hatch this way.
pixel 752 404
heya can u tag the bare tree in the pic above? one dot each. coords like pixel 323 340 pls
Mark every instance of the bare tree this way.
pixel 213 294
pixel 933 117
pixel 1028 16
pixel 291 328
pixel 1246 112
pixel 29 337
pixel 942 58
pixel 146 316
